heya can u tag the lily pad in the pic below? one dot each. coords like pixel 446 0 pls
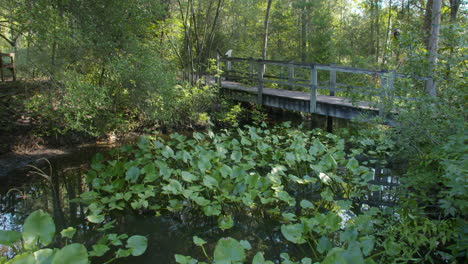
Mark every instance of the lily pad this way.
pixel 228 250
pixel 38 227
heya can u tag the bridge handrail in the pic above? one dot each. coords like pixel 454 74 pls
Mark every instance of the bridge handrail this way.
pixel 387 78
pixel 328 67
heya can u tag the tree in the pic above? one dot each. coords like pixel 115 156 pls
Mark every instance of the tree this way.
pixel 433 45
pixel 265 32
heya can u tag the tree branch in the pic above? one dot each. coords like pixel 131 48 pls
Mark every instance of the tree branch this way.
pixel 8 40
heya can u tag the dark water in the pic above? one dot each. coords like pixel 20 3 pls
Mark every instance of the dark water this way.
pixel 168 234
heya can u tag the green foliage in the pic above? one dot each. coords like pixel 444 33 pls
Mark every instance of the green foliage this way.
pixel 219 174
pixel 38 228
pixel 38 233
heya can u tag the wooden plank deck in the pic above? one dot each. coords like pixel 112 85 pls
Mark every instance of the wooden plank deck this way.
pixel 333 106
pixel 327 99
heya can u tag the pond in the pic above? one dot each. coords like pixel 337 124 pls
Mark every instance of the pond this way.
pixel 167 235
pixel 277 203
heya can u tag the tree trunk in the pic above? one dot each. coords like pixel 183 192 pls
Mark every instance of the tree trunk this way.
pixel 454 7
pixel 377 40
pixel 187 34
pixel 427 22
pixel 388 32
pixel 303 34
pixel 265 36
pixel 433 44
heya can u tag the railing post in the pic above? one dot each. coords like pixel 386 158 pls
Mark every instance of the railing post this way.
pixel 331 93
pixel 431 87
pixel 332 80
pixel 13 68
pixel 391 83
pixel 383 87
pixel 261 68
pixel 251 69
pixel 218 70
pixel 313 89
pixel 228 64
pixel 291 74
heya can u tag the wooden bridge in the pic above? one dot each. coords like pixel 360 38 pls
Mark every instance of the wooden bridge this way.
pixel 313 88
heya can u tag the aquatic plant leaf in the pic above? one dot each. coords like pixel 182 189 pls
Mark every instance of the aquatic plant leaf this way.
pixel 168 152
pixel 71 254
pixel 335 256
pixel 289 217
pixel 99 250
pixel 293 233
pixel 200 200
pixel 259 259
pixel 181 259
pixel 329 161
pixel 123 253
pixel 228 250
pixel 353 253
pixel 68 232
pixel 352 164
pixel 290 157
pixel 212 210
pixel 143 143
pixel 286 258
pixel 367 245
pixel 226 171
pixel 245 244
pixel 306 261
pixel 210 182
pixel 306 204
pixel 327 195
pixel 186 156
pixel 25 258
pixel 8 238
pixel 225 222
pixel 324 245
pixel 188 177
pixel 317 148
pixel 95 218
pixel 391 247
pixel 88 197
pixel 236 156
pixel 284 196
pixel 138 244
pixel 150 173
pixel 132 174
pixel 44 256
pixel 204 165
pixel 164 171
pixel 173 187
pixel 349 235
pixel 198 241
pixel 38 227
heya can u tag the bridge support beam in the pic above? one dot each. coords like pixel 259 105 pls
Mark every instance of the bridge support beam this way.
pixel 313 89
pixel 331 93
pixel 260 83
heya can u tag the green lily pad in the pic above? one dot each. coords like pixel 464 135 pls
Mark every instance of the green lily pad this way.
pixel 138 244
pixel 228 250
pixel 38 227
pixel 71 254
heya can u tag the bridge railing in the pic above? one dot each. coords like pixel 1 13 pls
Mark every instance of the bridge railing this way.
pixel 318 79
